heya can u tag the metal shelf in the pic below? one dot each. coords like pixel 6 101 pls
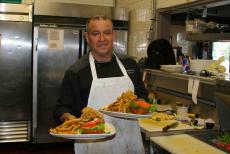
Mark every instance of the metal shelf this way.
pixel 206 80
pixel 208 37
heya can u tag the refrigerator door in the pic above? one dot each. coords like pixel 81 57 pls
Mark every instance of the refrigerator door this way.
pixel 15 76
pixel 121 42
pixel 56 49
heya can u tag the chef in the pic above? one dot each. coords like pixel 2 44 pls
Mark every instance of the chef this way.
pixel 97 79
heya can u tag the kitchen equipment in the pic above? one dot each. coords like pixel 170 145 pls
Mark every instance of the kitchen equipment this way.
pixel 173 125
pixel 223 108
pixel 15 72
pixel 51 60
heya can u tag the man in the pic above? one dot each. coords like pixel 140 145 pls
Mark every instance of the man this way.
pixel 97 79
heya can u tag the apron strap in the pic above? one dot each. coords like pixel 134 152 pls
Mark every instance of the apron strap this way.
pixel 93 67
pixel 121 66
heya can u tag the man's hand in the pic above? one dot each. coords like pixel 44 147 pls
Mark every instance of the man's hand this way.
pixel 67 116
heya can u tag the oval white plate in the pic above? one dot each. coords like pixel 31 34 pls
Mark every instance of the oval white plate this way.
pixel 125 115
pixel 109 129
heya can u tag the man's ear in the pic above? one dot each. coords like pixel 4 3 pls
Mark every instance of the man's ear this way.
pixel 86 37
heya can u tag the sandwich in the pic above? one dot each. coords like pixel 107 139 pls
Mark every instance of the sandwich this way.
pixel 90 122
pixel 93 122
pixel 95 126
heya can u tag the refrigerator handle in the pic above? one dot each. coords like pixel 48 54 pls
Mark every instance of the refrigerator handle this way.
pixel 35 72
pixel 85 46
pixel 80 44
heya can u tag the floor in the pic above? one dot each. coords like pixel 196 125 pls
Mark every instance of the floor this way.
pixel 29 148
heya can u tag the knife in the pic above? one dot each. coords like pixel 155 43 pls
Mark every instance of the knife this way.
pixel 173 125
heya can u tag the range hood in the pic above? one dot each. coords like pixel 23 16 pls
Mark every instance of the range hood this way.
pixel 70 10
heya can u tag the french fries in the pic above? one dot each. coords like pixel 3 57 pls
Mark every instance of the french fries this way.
pixel 68 127
pixel 122 103
pixel 162 116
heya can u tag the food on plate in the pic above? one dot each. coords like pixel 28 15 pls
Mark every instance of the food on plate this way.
pixel 90 122
pixel 122 103
pixel 141 107
pixel 162 116
pixel 88 113
pixel 128 103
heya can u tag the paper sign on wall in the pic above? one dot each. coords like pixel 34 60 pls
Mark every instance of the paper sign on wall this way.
pixel 55 39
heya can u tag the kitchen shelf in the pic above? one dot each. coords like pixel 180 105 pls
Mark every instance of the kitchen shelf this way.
pixel 208 37
pixel 176 84
pixel 206 80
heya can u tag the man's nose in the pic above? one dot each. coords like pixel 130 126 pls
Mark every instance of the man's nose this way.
pixel 101 37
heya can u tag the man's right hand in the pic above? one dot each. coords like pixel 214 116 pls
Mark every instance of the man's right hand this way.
pixel 67 116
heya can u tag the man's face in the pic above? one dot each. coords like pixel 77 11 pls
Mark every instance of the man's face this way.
pixel 100 36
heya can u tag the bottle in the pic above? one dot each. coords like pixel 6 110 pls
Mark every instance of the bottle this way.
pixel 185 64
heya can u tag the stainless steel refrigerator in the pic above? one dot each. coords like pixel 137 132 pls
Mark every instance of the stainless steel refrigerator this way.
pixel 15 72
pixel 55 49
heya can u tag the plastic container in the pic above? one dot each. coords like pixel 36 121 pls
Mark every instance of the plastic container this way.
pixel 182 111
pixel 172 68
pixel 197 65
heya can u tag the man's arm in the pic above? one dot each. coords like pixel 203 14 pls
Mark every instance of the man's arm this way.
pixel 64 108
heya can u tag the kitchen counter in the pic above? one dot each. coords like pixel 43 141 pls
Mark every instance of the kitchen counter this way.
pixel 184 144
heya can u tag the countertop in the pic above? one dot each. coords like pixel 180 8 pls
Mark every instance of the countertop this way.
pixel 184 144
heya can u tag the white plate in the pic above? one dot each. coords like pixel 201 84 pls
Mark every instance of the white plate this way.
pixel 126 115
pixel 109 129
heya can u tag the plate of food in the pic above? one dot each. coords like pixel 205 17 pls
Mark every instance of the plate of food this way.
pixel 127 106
pixel 91 125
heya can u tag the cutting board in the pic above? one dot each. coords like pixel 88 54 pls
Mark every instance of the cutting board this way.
pixel 155 126
pixel 184 144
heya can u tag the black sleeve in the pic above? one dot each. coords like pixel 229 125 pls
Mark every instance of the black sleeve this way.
pixel 140 89
pixel 69 97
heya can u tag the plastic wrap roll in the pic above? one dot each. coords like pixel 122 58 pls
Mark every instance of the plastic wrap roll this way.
pixel 120 14
pixel 139 26
pixel 141 15
pixel 137 44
